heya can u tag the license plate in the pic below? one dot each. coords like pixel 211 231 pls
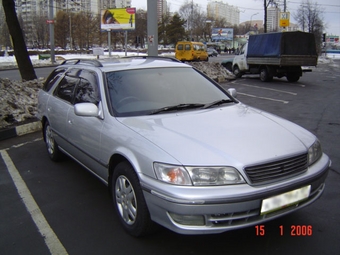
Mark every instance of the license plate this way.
pixel 286 199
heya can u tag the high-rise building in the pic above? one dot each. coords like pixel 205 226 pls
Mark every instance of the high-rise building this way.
pixel 273 18
pixel 223 10
pixel 161 9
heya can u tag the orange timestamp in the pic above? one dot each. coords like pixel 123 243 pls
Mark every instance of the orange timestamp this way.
pixel 294 230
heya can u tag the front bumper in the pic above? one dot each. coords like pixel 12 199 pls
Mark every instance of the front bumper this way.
pixel 208 210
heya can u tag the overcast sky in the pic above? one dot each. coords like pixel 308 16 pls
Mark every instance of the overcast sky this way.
pixel 249 8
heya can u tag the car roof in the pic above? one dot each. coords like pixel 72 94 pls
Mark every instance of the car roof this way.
pixel 126 63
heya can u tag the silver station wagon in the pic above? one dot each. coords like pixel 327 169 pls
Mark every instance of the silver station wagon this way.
pixel 175 149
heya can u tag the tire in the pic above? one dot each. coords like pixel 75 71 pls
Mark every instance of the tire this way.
pixel 293 77
pixel 265 75
pixel 129 201
pixel 237 72
pixel 51 145
pixel 228 67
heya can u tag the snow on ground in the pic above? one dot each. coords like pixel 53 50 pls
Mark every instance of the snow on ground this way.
pixel 18 99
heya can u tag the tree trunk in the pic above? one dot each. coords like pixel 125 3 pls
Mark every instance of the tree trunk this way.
pixel 20 51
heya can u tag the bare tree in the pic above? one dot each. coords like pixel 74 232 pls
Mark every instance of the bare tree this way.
pixel 309 17
pixel 4 33
pixel 41 31
pixel 62 29
pixel 84 29
pixel 195 19
pixel 20 51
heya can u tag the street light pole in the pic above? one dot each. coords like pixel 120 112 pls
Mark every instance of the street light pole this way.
pixel 251 18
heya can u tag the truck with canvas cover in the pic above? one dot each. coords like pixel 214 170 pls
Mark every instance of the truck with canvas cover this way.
pixel 275 55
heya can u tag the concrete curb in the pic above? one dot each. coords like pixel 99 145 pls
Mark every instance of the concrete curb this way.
pixel 21 129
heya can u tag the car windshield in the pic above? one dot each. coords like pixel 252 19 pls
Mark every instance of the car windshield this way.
pixel 159 90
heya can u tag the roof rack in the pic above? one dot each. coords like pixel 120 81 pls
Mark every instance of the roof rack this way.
pixel 155 57
pixel 92 62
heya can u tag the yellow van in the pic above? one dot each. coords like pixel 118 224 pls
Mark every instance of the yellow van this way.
pixel 191 51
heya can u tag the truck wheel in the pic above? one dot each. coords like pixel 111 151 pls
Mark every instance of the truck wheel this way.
pixel 292 77
pixel 228 67
pixel 265 75
pixel 237 72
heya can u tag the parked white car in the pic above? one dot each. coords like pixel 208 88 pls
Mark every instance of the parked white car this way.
pixel 175 148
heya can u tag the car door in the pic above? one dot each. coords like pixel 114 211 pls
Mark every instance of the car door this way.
pixel 58 107
pixel 84 133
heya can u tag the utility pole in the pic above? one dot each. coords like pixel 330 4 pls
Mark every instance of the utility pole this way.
pixel 152 28
pixel 51 25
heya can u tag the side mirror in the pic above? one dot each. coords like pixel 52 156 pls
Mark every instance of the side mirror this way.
pixel 232 92
pixel 86 110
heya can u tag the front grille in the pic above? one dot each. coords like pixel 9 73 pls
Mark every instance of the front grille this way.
pixel 276 170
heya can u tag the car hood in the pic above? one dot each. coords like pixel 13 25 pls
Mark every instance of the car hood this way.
pixel 234 135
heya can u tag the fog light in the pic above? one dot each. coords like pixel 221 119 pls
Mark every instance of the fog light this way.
pixel 192 220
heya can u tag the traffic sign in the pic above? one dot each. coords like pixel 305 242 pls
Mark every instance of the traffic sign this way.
pixel 284 19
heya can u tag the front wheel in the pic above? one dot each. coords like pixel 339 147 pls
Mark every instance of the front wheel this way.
pixel 129 201
pixel 237 72
pixel 228 66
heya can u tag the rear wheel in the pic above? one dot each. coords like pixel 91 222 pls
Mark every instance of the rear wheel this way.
pixel 51 145
pixel 265 75
pixel 293 77
pixel 129 201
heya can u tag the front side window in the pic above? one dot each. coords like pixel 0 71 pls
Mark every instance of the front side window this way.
pixel 65 89
pixel 87 90
pixel 52 78
pixel 141 92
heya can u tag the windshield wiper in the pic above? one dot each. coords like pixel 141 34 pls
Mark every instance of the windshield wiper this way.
pixel 218 102
pixel 177 108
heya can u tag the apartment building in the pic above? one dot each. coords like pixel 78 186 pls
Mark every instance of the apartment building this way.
pixel 219 9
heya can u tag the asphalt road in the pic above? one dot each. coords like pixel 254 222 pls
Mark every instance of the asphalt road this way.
pixel 78 217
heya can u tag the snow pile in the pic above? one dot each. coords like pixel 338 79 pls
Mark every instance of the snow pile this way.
pixel 214 70
pixel 18 101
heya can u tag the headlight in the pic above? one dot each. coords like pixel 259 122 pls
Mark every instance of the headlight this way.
pixel 314 152
pixel 172 174
pixel 204 176
pixel 198 176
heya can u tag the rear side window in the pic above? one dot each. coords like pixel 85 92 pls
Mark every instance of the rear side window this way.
pixel 52 78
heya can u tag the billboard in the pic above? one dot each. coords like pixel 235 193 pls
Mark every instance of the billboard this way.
pixel 222 34
pixel 118 19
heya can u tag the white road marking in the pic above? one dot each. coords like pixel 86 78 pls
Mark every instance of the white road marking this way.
pixel 50 238
pixel 266 98
pixel 276 90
